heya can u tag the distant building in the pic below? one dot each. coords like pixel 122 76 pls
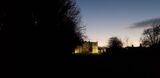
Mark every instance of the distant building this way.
pixel 102 49
pixel 87 47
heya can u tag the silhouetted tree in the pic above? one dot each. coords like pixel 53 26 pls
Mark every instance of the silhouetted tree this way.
pixel 45 31
pixel 114 42
pixel 48 26
pixel 115 46
pixel 151 36
pixel 68 24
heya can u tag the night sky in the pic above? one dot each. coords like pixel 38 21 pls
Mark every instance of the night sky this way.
pixel 106 18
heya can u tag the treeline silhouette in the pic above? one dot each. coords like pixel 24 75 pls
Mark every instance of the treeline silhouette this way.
pixel 48 27
pixel 42 32
pixel 43 28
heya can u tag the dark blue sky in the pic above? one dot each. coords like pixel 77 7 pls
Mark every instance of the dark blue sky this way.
pixel 106 18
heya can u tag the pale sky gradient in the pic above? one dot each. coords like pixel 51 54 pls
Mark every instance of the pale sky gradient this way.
pixel 106 18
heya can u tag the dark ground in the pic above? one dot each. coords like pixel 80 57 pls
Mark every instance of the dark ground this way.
pixel 143 65
pixel 128 65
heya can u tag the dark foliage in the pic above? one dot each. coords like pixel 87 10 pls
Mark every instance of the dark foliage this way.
pixel 43 27
pixel 114 42
pixel 42 32
pixel 151 36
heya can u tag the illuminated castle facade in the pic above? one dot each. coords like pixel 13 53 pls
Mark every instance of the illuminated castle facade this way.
pixel 87 47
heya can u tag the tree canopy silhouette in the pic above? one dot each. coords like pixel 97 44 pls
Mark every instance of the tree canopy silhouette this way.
pixel 151 36
pixel 68 25
pixel 47 26
pixel 115 42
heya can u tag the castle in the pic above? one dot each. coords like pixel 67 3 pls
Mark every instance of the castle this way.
pixel 87 47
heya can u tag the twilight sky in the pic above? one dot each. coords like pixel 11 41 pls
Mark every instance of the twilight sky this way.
pixel 106 18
